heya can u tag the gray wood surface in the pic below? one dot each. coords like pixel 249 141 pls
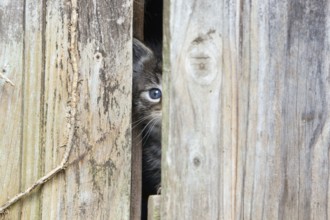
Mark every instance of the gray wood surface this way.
pixel 246 126
pixel 11 66
pixel 154 207
pixel 34 55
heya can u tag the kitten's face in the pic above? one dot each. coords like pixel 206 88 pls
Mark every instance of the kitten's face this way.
pixel 147 89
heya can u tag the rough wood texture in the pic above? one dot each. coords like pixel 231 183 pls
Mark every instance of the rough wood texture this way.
pixel 138 19
pixel 96 184
pixel 247 102
pixel 11 65
pixel 136 187
pixel 154 207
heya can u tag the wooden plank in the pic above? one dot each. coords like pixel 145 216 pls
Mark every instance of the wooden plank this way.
pixel 57 82
pixel 11 59
pixel 192 103
pixel 255 146
pixel 106 71
pixel 138 19
pixel 136 187
pixel 96 183
pixel 283 122
pixel 32 120
pixel 154 207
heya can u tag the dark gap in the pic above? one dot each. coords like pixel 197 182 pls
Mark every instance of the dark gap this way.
pixel 147 72
pixel 153 21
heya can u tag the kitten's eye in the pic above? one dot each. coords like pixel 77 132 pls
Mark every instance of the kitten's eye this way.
pixel 155 93
pixel 152 95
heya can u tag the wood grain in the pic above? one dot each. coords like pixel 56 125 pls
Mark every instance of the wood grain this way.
pixel 32 120
pixel 136 184
pixel 246 110
pixel 96 183
pixel 192 103
pixel 11 100
pixel 154 207
pixel 136 187
pixel 138 19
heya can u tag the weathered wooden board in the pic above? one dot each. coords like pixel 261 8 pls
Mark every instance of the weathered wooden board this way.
pixel 138 19
pixel 96 183
pixel 136 184
pixel 11 66
pixel 154 207
pixel 33 136
pixel 193 76
pixel 282 153
pixel 246 110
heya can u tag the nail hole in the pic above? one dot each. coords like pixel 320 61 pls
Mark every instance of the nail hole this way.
pixel 98 56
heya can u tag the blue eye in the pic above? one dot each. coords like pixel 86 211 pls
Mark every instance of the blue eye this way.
pixel 155 93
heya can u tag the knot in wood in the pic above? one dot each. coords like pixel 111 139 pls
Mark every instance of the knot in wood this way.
pixel 202 59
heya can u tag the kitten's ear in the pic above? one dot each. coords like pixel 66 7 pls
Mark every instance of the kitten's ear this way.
pixel 140 51
pixel 141 54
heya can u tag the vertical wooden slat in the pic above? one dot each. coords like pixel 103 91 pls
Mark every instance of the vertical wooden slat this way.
pixel 11 66
pixel 264 154
pixel 284 150
pixel 32 145
pixel 57 88
pixel 138 19
pixel 192 103
pixel 136 187
pixel 154 207
pixel 96 183
pixel 106 74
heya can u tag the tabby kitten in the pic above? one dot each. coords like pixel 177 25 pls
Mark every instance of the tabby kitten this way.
pixel 147 114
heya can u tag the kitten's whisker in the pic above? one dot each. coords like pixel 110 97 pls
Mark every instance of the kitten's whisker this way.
pixel 139 121
pixel 147 135
pixel 145 127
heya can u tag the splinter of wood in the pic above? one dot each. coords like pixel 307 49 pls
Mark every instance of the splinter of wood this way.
pixel 6 79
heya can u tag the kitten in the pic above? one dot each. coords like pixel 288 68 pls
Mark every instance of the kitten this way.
pixel 147 114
